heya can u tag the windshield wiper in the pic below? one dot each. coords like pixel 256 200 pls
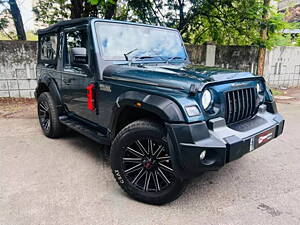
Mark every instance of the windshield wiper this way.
pixel 136 58
pixel 175 57
pixel 140 57
pixel 128 53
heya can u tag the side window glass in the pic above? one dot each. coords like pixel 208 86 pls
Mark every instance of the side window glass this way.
pixel 48 49
pixel 76 51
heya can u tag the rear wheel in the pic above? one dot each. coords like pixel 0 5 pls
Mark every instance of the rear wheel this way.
pixel 142 165
pixel 48 116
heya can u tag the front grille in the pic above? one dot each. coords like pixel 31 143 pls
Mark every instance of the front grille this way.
pixel 240 105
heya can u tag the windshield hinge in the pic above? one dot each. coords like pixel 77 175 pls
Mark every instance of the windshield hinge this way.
pixel 193 89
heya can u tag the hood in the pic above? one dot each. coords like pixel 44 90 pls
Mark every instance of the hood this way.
pixel 178 77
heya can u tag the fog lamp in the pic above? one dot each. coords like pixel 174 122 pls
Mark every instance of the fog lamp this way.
pixel 202 155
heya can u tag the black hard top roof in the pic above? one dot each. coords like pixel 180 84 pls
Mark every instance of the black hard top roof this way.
pixel 55 27
pixel 86 20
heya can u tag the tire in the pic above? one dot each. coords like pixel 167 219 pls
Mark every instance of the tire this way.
pixel 48 116
pixel 142 166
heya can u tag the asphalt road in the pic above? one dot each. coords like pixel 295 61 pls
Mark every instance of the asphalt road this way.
pixel 67 181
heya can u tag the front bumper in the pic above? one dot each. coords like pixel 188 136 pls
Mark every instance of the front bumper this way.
pixel 222 143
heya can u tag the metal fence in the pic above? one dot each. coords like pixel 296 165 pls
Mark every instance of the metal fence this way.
pixel 286 80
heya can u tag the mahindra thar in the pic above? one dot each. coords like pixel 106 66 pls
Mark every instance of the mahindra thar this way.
pixel 131 87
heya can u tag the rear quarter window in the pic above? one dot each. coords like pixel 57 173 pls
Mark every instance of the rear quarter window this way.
pixel 48 46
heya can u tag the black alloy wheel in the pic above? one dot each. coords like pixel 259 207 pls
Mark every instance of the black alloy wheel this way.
pixel 49 116
pixel 147 165
pixel 142 164
pixel 44 115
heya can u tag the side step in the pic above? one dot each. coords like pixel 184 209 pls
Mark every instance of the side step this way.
pixel 85 130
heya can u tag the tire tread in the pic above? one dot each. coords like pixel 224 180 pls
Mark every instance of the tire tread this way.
pixel 57 129
pixel 144 124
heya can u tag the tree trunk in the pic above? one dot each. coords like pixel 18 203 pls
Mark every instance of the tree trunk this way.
pixel 261 61
pixel 181 15
pixel 90 10
pixel 264 37
pixel 15 12
pixel 76 9
pixel 110 9
pixel 82 8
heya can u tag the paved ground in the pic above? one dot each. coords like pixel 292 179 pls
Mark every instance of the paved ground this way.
pixel 67 181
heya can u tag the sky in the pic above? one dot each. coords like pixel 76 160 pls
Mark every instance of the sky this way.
pixel 27 14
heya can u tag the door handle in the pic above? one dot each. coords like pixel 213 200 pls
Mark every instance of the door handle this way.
pixel 68 81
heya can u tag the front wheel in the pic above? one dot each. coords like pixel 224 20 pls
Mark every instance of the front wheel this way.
pixel 141 164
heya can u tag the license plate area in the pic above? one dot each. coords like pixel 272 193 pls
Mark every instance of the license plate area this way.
pixel 261 139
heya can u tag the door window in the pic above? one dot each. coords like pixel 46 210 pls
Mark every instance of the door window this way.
pixel 48 50
pixel 76 41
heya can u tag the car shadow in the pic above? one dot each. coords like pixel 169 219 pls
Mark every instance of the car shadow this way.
pixel 203 186
pixel 90 147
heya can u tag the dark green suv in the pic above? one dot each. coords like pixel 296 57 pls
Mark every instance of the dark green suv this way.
pixel 131 87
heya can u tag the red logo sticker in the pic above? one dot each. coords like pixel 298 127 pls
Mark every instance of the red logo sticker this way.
pixel 264 137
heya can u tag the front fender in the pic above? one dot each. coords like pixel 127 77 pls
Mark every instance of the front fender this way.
pixel 163 107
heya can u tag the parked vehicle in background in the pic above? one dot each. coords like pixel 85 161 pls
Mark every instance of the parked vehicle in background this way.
pixel 132 88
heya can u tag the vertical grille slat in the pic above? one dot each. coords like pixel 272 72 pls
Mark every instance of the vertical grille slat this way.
pixel 244 104
pixel 248 102
pixel 229 108
pixel 254 102
pixel 251 101
pixel 234 106
pixel 240 105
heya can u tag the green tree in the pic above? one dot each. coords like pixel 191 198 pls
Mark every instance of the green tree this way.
pixel 11 7
pixel 4 11
pixel 52 11
pixel 17 18
pixel 224 22
pixel 3 23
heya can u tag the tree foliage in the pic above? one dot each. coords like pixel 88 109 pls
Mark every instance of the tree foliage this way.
pixel 12 12
pixel 3 23
pixel 228 22
pixel 52 11
pixel 17 18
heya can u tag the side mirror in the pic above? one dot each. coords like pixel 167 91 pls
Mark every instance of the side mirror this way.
pixel 78 57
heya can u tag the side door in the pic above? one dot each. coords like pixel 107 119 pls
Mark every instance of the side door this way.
pixel 76 73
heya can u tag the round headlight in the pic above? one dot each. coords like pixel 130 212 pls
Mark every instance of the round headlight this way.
pixel 206 99
pixel 259 88
pixel 260 91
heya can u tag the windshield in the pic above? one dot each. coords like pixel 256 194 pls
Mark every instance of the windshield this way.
pixel 126 42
